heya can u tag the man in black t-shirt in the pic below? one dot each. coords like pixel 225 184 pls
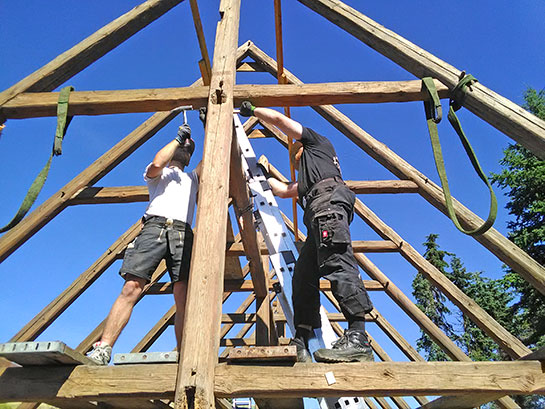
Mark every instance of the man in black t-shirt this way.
pixel 327 253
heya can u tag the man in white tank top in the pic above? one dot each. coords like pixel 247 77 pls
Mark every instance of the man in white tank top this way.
pixel 166 234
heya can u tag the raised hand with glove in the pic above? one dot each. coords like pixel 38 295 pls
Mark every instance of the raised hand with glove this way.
pixel 247 109
pixel 184 133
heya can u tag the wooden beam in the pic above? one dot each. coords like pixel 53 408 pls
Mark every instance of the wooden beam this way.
pixel 42 104
pixel 69 63
pixel 200 344
pixel 494 241
pixel 359 246
pixel 370 403
pixel 44 318
pixel 34 221
pixel 248 286
pixel 403 345
pixel 117 194
pixel 382 186
pixel 202 43
pixel 504 115
pixel 237 318
pixel 157 381
pixel 250 67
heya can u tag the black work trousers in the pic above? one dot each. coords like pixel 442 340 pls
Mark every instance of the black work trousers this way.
pixel 328 253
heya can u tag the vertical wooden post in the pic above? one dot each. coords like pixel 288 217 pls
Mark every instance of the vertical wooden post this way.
pixel 195 383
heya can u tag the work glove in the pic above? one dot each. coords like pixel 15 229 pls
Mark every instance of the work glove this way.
pixel 202 115
pixel 247 109
pixel 184 133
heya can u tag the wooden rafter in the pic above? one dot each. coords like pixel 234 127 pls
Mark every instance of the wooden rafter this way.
pixel 506 116
pixel 69 63
pixel 248 286
pixel 132 194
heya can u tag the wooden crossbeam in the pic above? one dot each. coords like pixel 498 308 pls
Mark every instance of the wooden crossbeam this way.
pixel 43 104
pixel 359 246
pixel 237 318
pixel 200 344
pixel 116 194
pixel 504 115
pixel 131 194
pixel 494 241
pixel 155 381
pixel 248 286
pixel 91 49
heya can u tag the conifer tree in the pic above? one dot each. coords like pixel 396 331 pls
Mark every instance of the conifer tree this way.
pixel 432 302
pixel 524 178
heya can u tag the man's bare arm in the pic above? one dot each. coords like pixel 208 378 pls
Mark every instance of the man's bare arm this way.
pixel 282 189
pixel 161 159
pixel 287 125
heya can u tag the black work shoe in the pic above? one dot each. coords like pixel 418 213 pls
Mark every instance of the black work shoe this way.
pixel 353 346
pixel 302 352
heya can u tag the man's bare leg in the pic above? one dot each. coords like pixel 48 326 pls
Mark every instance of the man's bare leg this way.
pixel 122 309
pixel 180 295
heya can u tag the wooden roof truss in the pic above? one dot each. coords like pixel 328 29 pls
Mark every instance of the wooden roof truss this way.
pixel 199 381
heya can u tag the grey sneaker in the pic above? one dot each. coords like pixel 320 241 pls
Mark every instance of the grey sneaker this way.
pixel 302 352
pixel 101 354
pixel 353 346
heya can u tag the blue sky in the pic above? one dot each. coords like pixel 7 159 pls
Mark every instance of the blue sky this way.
pixel 500 43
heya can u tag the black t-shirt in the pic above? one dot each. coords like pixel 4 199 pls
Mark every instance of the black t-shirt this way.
pixel 319 161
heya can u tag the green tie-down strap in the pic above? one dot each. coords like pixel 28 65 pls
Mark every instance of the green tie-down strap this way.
pixel 433 116
pixel 63 120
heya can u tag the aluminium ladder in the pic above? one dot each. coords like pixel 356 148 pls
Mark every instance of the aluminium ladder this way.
pixel 283 254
